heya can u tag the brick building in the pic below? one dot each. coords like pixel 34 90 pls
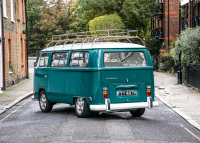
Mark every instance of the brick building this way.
pixel 13 50
pixel 165 23
pixel 190 13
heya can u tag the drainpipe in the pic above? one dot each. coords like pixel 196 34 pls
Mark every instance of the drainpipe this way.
pixel 3 46
pixel 26 39
pixel 168 24
pixel 190 14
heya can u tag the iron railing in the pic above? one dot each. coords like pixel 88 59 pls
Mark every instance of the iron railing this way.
pixel 196 21
pixel 193 75
pixel 185 24
pixel 160 8
pixel 157 33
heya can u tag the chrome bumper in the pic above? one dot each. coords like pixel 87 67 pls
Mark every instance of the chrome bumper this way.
pixel 123 106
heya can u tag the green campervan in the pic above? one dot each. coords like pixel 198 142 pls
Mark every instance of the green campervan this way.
pixel 95 74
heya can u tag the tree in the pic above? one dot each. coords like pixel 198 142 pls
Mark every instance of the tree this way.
pixel 154 46
pixel 55 18
pixel 112 21
pixel 34 15
pixel 134 13
pixel 46 19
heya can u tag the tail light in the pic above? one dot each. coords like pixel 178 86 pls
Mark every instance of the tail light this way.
pixel 105 94
pixel 90 98
pixel 148 92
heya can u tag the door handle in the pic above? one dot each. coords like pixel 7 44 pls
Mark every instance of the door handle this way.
pixel 45 76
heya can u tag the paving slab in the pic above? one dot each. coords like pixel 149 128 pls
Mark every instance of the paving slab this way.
pixel 183 100
pixel 14 94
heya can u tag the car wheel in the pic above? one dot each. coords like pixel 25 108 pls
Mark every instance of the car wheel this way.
pixel 45 104
pixel 138 112
pixel 81 108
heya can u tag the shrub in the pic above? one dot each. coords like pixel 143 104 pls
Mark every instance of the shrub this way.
pixel 112 21
pixel 189 46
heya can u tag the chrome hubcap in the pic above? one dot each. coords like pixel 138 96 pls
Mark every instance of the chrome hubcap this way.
pixel 79 105
pixel 43 101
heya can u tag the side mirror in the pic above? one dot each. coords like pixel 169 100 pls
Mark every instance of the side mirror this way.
pixel 35 64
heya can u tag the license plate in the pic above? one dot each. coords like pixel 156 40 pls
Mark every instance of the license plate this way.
pixel 126 93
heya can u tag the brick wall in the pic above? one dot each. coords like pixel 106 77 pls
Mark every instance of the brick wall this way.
pixel 169 21
pixel 171 28
pixel 193 11
pixel 15 42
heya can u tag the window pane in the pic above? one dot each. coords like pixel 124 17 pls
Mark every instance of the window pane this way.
pixel 43 60
pixel 63 59
pixel 79 59
pixel 124 59
pixel 11 7
pixel 59 60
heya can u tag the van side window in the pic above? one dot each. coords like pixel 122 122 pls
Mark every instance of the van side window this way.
pixel 43 60
pixel 79 59
pixel 59 59
pixel 124 59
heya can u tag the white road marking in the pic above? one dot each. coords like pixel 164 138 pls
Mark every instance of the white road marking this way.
pixel 14 111
pixel 190 132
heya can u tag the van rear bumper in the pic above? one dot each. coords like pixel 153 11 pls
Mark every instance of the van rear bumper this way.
pixel 123 106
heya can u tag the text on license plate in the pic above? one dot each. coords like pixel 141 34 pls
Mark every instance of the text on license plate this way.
pixel 126 93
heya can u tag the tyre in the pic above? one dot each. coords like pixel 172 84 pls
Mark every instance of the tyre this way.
pixel 45 104
pixel 138 112
pixel 81 108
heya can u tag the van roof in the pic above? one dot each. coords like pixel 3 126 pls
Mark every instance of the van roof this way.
pixel 95 45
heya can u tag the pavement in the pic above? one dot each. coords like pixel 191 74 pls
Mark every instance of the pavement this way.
pixel 181 99
pixel 18 92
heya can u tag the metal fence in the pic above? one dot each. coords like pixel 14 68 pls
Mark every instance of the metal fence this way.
pixel 192 75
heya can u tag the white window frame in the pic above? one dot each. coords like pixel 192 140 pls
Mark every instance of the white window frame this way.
pixel 12 11
pixel 4 9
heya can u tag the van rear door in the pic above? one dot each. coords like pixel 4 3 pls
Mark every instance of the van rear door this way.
pixel 126 76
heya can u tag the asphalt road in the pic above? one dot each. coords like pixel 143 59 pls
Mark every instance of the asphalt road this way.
pixel 26 123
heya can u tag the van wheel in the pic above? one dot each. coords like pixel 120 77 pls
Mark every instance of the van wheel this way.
pixel 81 108
pixel 45 104
pixel 138 112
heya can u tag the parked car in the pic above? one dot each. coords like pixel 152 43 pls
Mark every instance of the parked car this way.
pixel 96 76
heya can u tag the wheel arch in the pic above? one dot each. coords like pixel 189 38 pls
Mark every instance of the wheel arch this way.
pixel 75 97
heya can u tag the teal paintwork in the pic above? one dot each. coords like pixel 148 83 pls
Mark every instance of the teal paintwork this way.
pixel 63 84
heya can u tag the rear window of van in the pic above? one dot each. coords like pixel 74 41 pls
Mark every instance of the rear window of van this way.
pixel 124 59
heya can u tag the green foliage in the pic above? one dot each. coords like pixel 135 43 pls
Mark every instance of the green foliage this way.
pixel 112 21
pixel 154 46
pixel 173 54
pixel 135 14
pixel 44 20
pixel 166 64
pixel 11 69
pixel 167 55
pixel 173 44
pixel 24 31
pixel 189 46
pixel 34 16
pixel 52 17
pixel 183 13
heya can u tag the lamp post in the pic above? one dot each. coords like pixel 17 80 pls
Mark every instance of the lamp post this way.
pixel 179 60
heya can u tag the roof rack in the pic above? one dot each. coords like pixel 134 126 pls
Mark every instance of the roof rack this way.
pixel 95 36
